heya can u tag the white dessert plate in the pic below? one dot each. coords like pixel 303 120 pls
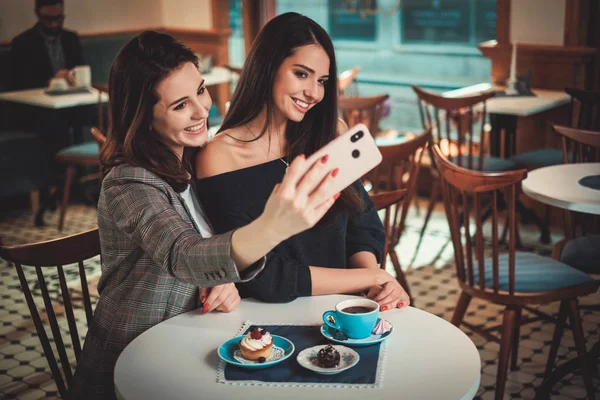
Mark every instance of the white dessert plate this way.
pixel 308 359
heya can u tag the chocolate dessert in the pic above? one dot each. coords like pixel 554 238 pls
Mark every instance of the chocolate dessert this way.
pixel 328 357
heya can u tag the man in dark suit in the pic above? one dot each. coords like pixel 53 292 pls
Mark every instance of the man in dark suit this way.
pixel 46 50
pixel 39 54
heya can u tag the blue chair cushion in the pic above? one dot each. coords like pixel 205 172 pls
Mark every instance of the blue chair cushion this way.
pixel 533 273
pixel 89 149
pixel 583 253
pixel 539 158
pixel 490 164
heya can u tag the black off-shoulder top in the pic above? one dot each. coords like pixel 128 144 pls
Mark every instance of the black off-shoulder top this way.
pixel 236 198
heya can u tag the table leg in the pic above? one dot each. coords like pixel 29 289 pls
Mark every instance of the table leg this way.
pixel 508 124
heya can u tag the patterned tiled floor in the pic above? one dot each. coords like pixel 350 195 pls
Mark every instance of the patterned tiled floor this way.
pixel 24 373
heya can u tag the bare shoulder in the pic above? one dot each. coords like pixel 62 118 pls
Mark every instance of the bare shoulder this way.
pixel 341 127
pixel 219 155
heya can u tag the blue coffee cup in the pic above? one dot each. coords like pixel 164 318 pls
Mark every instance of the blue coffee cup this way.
pixel 355 317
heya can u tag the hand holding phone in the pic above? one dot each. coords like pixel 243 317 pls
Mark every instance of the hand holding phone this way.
pixel 354 153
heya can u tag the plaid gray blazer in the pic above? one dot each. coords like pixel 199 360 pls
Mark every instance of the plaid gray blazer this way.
pixel 153 261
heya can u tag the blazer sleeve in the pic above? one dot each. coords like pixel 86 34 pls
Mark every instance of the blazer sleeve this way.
pixel 365 231
pixel 145 215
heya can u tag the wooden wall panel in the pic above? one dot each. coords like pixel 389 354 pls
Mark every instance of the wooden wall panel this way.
pixel 552 67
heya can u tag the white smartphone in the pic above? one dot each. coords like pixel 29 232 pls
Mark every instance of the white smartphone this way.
pixel 354 153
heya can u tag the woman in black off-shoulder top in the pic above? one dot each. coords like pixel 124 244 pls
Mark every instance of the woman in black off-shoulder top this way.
pixel 285 105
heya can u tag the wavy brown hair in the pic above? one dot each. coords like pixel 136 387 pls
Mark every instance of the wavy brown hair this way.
pixel 278 40
pixel 140 66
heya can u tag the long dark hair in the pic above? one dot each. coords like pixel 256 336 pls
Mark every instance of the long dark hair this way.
pixel 278 40
pixel 140 66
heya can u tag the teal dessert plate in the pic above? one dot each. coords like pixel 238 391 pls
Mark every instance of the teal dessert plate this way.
pixel 338 337
pixel 230 353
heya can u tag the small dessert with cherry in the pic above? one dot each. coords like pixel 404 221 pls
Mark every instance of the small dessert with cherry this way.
pixel 256 345
pixel 328 357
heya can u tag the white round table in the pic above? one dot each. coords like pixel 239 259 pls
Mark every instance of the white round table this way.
pixel 427 357
pixel 559 186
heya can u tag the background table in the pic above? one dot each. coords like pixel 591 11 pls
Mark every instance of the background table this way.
pixel 524 106
pixel 427 357
pixel 559 186
pixel 37 97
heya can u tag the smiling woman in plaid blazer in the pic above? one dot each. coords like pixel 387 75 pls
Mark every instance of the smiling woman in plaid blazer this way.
pixel 157 247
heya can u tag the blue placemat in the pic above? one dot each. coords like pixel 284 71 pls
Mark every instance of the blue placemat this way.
pixel 591 181
pixel 289 373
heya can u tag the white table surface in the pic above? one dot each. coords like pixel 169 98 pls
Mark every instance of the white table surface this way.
pixel 37 97
pixel 518 106
pixel 217 75
pixel 559 186
pixel 427 357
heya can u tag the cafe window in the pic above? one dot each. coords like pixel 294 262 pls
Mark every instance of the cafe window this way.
pixel 467 22
pixel 348 22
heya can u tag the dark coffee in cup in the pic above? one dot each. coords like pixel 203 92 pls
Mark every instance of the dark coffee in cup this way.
pixel 355 317
pixel 357 310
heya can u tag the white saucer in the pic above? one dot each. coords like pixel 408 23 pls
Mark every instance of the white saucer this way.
pixel 371 340
pixel 308 359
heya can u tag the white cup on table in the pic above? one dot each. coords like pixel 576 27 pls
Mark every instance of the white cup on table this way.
pixel 81 76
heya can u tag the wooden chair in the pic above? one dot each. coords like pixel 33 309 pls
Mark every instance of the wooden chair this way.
pixel 513 280
pixel 87 153
pixel 458 127
pixel 102 88
pixel 80 154
pixel 440 115
pixel 99 136
pixel 346 78
pixel 365 110
pixel 392 202
pixel 49 257
pixel 399 169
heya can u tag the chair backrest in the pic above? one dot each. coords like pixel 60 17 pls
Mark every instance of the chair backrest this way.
pixel 580 146
pixel 99 136
pixel 365 110
pixel 391 202
pixel 464 191
pixel 585 106
pixel 400 169
pixel 583 145
pixel 51 256
pixel 102 88
pixel 346 78
pixel 457 125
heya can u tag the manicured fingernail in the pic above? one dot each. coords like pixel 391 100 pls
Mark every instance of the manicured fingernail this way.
pixel 205 309
pixel 335 172
pixel 336 196
pixel 324 158
pixel 401 304
pixel 383 308
pixel 202 299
